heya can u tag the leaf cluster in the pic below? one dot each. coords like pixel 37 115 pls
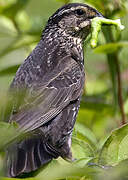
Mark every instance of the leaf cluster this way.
pixel 99 143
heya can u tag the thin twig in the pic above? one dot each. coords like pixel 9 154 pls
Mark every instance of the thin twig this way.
pixel 109 38
pixel 120 97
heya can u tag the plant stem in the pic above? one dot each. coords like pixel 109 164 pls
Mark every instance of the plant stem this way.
pixel 114 61
pixel 120 97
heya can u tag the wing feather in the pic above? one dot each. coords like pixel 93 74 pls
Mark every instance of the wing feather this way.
pixel 50 98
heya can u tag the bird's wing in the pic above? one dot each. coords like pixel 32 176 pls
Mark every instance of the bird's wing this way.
pixel 51 95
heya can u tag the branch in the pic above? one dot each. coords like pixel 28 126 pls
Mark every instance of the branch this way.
pixel 120 97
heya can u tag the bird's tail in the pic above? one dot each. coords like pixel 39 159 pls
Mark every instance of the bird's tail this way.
pixel 27 156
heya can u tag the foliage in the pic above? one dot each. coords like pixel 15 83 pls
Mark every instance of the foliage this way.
pixel 100 152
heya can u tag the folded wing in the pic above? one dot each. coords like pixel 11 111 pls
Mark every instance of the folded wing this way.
pixel 48 96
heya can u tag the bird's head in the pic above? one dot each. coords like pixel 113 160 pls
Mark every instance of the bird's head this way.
pixel 74 19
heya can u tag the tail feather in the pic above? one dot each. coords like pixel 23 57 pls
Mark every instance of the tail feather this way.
pixel 27 156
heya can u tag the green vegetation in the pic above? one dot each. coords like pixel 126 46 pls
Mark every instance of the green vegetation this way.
pixel 96 27
pixel 100 137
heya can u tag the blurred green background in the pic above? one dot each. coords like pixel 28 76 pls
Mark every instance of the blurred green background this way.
pixel 21 24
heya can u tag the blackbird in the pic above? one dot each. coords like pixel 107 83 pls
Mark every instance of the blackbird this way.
pixel 52 78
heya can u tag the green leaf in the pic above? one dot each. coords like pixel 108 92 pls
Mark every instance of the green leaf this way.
pixel 126 106
pixel 54 171
pixel 62 169
pixel 119 172
pixel 81 149
pixel 82 152
pixel 7 133
pixel 115 148
pixel 95 106
pixel 9 70
pixel 13 9
pixel 20 42
pixel 110 47
pixel 7 27
pixel 23 21
pixel 4 178
pixel 86 133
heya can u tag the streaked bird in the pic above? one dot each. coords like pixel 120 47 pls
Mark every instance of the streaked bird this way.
pixel 52 77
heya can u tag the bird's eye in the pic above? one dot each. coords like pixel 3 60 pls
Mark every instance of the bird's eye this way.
pixel 79 12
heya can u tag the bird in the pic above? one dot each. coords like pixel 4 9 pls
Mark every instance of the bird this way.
pixel 50 83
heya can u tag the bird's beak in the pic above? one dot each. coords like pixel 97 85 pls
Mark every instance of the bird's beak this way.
pixel 94 13
pixel 88 21
pixel 99 14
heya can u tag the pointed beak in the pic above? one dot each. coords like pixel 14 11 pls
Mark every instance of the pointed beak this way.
pixel 98 14
pixel 94 13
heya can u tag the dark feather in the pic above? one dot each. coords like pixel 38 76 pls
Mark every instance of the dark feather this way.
pixel 51 95
pixel 42 147
pixel 47 89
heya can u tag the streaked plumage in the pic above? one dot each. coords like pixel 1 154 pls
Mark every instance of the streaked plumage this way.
pixel 52 77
